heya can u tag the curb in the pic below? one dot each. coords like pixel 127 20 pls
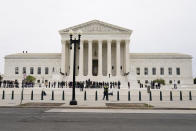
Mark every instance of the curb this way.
pixel 108 107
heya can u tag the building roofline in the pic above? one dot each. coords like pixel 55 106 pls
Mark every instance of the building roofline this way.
pixel 159 56
pixel 34 56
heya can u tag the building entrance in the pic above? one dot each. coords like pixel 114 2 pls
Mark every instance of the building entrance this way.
pixel 95 68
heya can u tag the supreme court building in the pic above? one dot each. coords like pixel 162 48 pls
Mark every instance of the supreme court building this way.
pixel 104 55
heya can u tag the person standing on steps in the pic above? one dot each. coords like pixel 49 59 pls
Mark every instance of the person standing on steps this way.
pixel 105 93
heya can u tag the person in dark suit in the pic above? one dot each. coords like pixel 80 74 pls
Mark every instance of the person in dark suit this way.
pixel 118 84
pixel 54 84
pixel 49 84
pixel 4 83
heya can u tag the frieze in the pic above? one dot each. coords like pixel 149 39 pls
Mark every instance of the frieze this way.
pixel 97 28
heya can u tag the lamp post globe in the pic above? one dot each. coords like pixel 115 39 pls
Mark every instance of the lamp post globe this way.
pixel 71 32
pixel 79 32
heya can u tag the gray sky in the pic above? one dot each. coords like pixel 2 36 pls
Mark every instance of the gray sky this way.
pixel 158 25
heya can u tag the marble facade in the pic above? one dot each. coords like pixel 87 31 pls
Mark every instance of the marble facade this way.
pixel 103 56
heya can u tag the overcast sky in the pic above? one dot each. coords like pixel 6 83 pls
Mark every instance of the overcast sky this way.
pixel 158 25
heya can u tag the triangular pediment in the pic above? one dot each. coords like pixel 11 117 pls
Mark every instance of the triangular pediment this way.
pixel 96 26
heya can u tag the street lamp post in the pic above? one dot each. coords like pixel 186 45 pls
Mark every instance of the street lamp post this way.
pixel 74 42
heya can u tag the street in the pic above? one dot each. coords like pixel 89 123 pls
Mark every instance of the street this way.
pixel 36 119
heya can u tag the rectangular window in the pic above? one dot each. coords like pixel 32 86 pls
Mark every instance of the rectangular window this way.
pixel 46 70
pixel 153 71
pixel 170 71
pixel 39 70
pixel 138 71
pixel 145 71
pixel 162 71
pixel 24 70
pixel 178 71
pixel 31 70
pixel 16 70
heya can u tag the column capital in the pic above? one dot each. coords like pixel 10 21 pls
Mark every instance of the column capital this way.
pixel 81 42
pixel 63 41
pixel 127 40
pixel 90 41
pixel 109 40
pixel 118 41
pixel 100 41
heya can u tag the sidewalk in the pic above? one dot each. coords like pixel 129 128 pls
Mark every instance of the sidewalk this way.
pixel 125 111
pixel 164 105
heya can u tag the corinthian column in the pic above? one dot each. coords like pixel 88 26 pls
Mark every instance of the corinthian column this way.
pixel 90 58
pixel 118 58
pixel 109 57
pixel 100 58
pixel 127 55
pixel 63 56
pixel 81 59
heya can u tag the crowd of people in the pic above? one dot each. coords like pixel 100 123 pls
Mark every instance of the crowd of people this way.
pixel 82 84
pixel 15 84
pixel 152 85
pixel 9 84
pixel 63 84
pixel 79 84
